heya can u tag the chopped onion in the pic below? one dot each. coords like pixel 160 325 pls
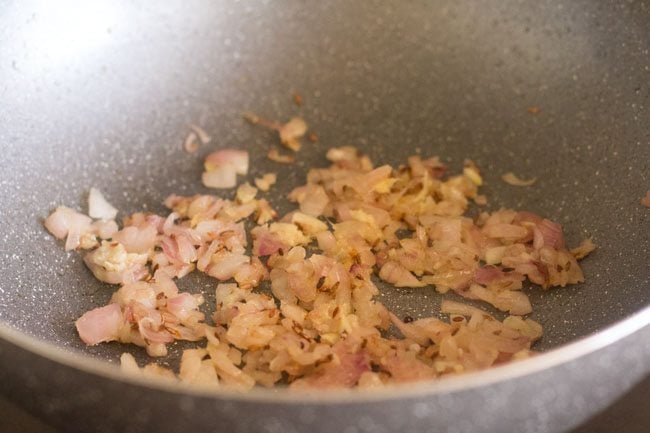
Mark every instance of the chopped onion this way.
pixel 313 200
pixel 137 239
pixel 322 324
pixel 645 201
pixel 63 220
pixel 486 274
pixel 224 266
pixel 395 274
pixel 151 332
pixel 112 264
pixel 98 207
pixel 265 243
pixel 246 193
pixel 453 307
pixel 275 155
pixel 221 177
pixel 70 224
pixel 128 364
pixel 238 159
pixel 291 131
pixel 506 231
pixel 308 224
pixel 494 255
pixel 183 305
pixel 265 182
pixel 515 302
pixel 511 179
pixel 105 229
pixel 190 145
pixel 100 325
pixel 203 136
pixel 583 250
pixel 552 233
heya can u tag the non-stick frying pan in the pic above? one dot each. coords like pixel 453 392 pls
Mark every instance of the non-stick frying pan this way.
pixel 101 94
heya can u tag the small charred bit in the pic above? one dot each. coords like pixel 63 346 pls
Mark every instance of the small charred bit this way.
pixel 297 99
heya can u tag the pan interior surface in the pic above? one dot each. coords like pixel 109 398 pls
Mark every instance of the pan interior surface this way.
pixel 455 79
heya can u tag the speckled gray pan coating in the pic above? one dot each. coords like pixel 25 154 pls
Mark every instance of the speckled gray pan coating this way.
pixel 446 78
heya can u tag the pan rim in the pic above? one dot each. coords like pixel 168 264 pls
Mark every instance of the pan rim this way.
pixel 463 382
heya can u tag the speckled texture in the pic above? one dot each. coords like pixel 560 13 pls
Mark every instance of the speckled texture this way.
pixel 453 79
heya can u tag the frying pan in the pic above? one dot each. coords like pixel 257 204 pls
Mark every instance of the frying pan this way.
pixel 101 94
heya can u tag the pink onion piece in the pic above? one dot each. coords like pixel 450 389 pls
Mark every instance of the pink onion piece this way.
pixel 141 292
pixel 552 233
pixel 221 177
pixel 265 243
pixel 183 305
pixel 146 327
pixel 345 371
pixel 137 239
pixel 223 166
pixel 186 251
pixel 65 222
pixel 238 159
pixel 486 274
pixel 100 325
